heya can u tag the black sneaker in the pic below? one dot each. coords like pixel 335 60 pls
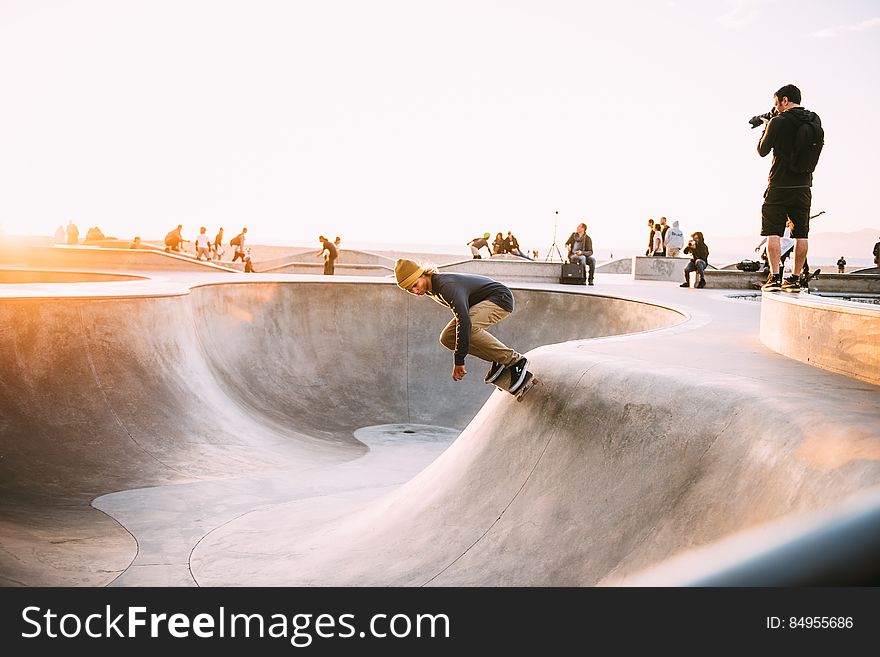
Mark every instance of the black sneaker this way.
pixel 685 284
pixel 773 284
pixel 494 372
pixel 518 373
pixel 791 284
pixel 702 283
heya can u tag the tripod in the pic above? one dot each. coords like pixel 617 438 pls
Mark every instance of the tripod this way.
pixel 554 245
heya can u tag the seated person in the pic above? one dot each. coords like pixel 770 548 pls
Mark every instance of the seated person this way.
pixel 580 249
pixel 499 246
pixel 699 253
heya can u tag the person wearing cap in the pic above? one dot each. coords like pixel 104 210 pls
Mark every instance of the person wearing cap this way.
pixel 480 243
pixel 476 302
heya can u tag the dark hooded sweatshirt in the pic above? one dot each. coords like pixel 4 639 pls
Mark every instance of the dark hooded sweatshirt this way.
pixel 459 292
pixel 779 137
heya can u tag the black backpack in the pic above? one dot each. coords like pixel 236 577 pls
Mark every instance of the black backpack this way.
pixel 748 265
pixel 809 138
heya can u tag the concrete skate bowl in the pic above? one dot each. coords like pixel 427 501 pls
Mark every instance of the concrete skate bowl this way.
pixel 608 469
pixel 104 394
pixel 28 276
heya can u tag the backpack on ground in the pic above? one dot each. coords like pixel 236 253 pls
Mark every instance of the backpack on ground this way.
pixel 809 139
pixel 748 265
pixel 235 241
pixel 573 274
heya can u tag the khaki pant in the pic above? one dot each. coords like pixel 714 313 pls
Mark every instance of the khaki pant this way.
pixel 483 345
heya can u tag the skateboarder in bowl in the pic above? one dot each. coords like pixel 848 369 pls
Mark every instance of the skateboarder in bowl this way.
pixel 476 302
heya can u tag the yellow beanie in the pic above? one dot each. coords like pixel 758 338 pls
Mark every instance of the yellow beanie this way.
pixel 407 272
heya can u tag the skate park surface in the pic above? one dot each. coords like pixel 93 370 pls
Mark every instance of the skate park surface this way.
pixel 212 428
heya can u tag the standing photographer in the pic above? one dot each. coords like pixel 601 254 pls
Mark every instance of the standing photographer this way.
pixel 788 193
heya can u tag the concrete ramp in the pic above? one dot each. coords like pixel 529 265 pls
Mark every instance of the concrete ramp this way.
pixel 234 380
pixel 605 469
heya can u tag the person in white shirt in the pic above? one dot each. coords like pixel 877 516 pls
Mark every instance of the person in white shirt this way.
pixel 674 240
pixel 203 245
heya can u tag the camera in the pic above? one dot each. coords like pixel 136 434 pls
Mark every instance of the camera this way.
pixel 758 120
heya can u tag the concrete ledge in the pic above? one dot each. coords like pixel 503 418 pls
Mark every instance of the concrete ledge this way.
pixel 838 336
pixel 645 268
pixel 508 270
pixel 733 279
pixel 860 283
pixel 342 269
pixel 95 257
pixel 619 266
pixel 346 256
pixel 24 276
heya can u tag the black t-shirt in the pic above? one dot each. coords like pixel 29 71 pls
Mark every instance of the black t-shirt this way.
pixel 779 137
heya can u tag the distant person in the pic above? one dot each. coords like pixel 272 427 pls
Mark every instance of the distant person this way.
pixel 786 246
pixel 877 254
pixel 94 234
pixel 218 244
pixel 841 264
pixel 513 246
pixel 248 263
pixel 657 246
pixel 535 254
pixel 328 250
pixel 480 243
pixel 476 302
pixel 499 246
pixel 650 248
pixel 72 233
pixel 338 244
pixel 203 245
pixel 238 243
pixel 580 249
pixel 674 240
pixel 699 253
pixel 788 193
pixel 664 228
pixel 60 235
pixel 136 243
pixel 174 239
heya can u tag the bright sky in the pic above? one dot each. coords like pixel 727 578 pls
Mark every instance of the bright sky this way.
pixel 429 122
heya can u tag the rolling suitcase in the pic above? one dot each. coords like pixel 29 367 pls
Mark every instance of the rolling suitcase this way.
pixel 573 274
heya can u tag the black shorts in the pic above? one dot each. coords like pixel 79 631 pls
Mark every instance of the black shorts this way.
pixel 783 203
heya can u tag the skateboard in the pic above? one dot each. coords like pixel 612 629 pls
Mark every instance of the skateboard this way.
pixel 805 279
pixel 503 383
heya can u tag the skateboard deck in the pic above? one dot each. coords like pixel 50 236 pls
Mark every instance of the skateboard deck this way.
pixel 804 280
pixel 503 383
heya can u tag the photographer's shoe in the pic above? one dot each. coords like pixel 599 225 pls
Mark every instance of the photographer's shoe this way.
pixel 791 284
pixel 685 284
pixel 773 284
pixel 702 283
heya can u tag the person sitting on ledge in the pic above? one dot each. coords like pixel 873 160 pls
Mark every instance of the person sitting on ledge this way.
pixel 580 249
